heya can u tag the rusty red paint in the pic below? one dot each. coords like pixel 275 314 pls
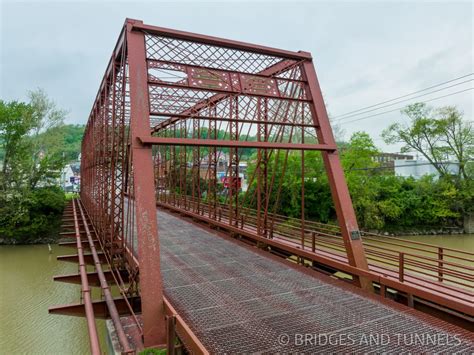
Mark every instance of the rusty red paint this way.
pixel 144 194
pixel 153 140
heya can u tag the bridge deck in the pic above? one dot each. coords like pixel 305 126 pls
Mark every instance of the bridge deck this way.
pixel 237 299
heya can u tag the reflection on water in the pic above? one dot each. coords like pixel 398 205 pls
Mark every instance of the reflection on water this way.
pixel 26 291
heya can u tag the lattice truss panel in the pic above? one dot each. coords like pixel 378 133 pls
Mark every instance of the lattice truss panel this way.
pixel 106 169
pixel 177 119
pixel 200 91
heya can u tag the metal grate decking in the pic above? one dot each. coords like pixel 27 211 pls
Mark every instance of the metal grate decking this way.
pixel 238 301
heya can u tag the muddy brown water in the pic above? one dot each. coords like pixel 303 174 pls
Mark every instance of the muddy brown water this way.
pixel 27 290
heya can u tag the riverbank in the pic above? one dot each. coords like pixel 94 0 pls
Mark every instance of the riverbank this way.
pixel 424 231
pixel 38 241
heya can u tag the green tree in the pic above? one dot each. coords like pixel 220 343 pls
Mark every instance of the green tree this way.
pixel 437 134
pixel 31 144
pixel 16 120
pixel 357 159
pixel 457 136
pixel 45 140
pixel 30 141
pixel 72 138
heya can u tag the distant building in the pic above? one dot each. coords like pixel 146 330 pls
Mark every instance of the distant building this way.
pixel 70 178
pixel 386 160
pixel 76 168
pixel 222 161
pixel 222 167
pixel 419 168
pixel 67 179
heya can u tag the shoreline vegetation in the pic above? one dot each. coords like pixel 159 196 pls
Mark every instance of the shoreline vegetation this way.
pixel 35 145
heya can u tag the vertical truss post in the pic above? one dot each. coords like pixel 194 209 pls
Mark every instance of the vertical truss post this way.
pixel 160 156
pixel 196 169
pixel 154 329
pixel 212 166
pixel 233 173
pixel 173 176
pixel 303 232
pixel 182 167
pixel 262 169
pixel 340 193
pixel 259 171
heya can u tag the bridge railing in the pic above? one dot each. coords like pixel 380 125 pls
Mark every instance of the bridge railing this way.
pixel 445 271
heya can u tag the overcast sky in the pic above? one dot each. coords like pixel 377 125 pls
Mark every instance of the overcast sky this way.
pixel 364 52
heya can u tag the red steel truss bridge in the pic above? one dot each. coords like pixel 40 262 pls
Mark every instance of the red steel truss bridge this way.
pixel 193 263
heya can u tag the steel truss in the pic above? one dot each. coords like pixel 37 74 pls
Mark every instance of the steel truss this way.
pixel 173 108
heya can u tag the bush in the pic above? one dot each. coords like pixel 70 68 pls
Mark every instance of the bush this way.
pixel 32 216
pixel 397 202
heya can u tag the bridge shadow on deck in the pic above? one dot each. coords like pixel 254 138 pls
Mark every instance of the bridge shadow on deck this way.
pixel 237 300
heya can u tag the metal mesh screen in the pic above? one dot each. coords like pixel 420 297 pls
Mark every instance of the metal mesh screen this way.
pixel 237 301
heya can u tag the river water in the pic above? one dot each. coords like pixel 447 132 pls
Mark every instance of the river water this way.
pixel 464 242
pixel 27 290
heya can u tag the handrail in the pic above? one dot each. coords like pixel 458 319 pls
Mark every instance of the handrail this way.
pixel 373 236
pixel 106 290
pixel 86 291
pixel 440 267
pixel 418 249
pixel 437 261
pixel 435 276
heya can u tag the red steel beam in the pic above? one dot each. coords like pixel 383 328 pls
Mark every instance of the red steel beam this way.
pixel 101 310
pixel 220 42
pixel 93 278
pixel 225 119
pixel 193 344
pixel 233 91
pixel 106 290
pixel 73 244
pixel 151 288
pixel 86 258
pixel 339 190
pixel 223 81
pixel 86 291
pixel 274 69
pixel 232 144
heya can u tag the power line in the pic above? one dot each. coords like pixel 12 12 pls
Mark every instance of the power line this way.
pixel 409 165
pixel 400 108
pixel 411 98
pixel 406 95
